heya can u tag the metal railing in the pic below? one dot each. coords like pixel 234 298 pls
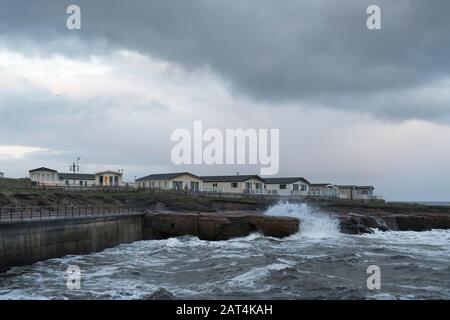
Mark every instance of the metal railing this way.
pixel 231 195
pixel 210 193
pixel 76 188
pixel 50 212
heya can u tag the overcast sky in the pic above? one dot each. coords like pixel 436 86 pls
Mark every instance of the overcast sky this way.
pixel 353 106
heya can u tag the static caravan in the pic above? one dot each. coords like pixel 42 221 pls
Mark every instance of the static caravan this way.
pixel 44 177
pixel 251 184
pixel 76 179
pixel 323 190
pixel 365 193
pixel 353 192
pixel 177 181
pixel 295 186
pixel 109 179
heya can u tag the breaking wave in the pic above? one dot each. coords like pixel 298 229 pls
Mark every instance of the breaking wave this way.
pixel 313 222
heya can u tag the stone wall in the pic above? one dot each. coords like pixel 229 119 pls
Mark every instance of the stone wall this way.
pixel 27 242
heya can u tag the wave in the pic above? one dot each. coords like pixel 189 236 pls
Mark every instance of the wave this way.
pixel 313 222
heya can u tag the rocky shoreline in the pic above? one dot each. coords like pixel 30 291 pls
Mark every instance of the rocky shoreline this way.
pixel 363 218
pixel 216 226
pixel 354 218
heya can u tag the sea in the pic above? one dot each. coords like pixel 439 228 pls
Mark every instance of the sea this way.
pixel 318 262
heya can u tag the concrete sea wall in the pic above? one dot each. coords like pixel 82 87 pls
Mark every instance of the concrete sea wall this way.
pixel 26 242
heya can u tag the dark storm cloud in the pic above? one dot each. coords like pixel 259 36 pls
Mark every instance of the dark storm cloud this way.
pixel 276 51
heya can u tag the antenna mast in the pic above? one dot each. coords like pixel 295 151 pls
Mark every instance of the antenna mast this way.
pixel 75 167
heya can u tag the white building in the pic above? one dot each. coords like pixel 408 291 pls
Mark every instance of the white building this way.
pixel 323 190
pixel 353 192
pixel 76 179
pixel 365 193
pixel 49 177
pixel 294 186
pixel 109 178
pixel 44 177
pixel 177 181
pixel 234 184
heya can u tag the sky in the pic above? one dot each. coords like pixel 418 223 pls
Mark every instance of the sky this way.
pixel 353 105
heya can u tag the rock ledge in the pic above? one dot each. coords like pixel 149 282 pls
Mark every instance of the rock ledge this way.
pixel 215 226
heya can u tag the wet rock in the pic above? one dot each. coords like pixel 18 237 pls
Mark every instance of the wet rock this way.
pixel 353 226
pixel 365 223
pixel 161 294
pixel 242 204
pixel 221 228
pixel 166 225
pixel 160 206
pixel 210 226
pixel 359 224
pixel 278 227
pixel 420 222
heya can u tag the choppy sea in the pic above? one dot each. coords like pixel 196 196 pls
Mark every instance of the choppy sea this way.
pixel 317 263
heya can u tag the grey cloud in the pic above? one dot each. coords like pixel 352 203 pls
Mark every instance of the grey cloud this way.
pixel 276 51
pixel 92 128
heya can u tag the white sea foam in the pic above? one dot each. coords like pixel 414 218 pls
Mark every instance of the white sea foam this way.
pixel 256 274
pixel 432 237
pixel 313 223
